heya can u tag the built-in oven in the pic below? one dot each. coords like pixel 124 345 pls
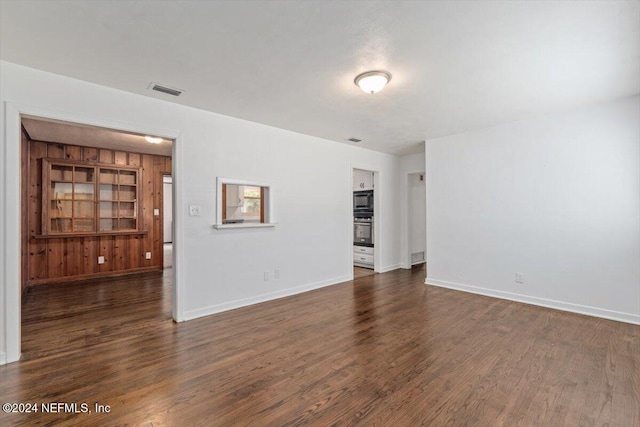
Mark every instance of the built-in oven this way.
pixel 363 201
pixel 363 230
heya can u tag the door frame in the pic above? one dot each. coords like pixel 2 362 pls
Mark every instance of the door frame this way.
pixel 405 246
pixel 10 205
pixel 377 259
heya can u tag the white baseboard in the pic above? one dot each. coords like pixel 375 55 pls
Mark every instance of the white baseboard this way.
pixel 389 268
pixel 218 308
pixel 3 358
pixel 543 302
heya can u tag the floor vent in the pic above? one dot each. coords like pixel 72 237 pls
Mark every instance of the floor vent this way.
pixel 417 257
pixel 165 89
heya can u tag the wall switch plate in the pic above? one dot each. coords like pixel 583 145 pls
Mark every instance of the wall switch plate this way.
pixel 194 210
pixel 276 274
pixel 100 260
pixel 156 212
pixel 147 255
pixel 266 276
pixel 519 278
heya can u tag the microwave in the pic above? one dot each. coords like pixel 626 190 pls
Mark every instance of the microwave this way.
pixel 363 201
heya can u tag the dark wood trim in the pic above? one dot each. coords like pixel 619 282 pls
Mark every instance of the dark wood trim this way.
pixel 81 163
pixel 85 277
pixel 24 130
pixel 96 234
pixel 224 202
pixel 261 204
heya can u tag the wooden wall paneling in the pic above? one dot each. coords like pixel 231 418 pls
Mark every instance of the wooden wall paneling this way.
pixel 120 158
pixel 167 165
pixel 156 240
pixel 106 250
pixel 90 154
pixel 120 249
pixel 106 156
pixel 134 159
pixel 55 257
pixel 37 264
pixel 148 189
pixel 136 254
pixel 24 210
pixel 158 229
pixel 89 255
pixel 73 257
pixel 73 152
pixel 55 151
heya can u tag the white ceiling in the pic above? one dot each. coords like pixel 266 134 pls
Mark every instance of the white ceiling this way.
pixel 456 65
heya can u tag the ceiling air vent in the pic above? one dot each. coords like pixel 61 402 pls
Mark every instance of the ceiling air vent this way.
pixel 165 89
pixel 354 140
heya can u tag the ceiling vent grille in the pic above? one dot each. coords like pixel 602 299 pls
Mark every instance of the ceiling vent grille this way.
pixel 165 89
pixel 354 140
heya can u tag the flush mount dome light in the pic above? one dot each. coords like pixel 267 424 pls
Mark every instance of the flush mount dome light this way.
pixel 153 139
pixel 372 81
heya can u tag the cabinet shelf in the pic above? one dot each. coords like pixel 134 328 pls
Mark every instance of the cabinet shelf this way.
pixel 76 196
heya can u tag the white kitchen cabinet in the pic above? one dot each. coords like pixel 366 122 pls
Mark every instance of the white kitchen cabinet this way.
pixel 363 256
pixel 362 180
pixel 235 195
pixel 363 250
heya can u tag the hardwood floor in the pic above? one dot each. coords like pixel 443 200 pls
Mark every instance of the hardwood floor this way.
pixel 384 350
pixel 359 272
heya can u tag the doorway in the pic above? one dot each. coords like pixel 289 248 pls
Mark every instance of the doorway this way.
pixel 91 210
pixel 365 227
pixel 416 218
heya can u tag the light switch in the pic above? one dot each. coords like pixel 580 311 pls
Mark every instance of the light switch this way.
pixel 194 210
pixel 156 212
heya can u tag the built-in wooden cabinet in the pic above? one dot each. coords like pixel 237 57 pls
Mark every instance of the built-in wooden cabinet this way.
pixel 118 196
pixel 84 199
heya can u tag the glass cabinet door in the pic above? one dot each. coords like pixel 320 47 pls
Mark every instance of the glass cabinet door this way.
pixel 71 198
pixel 89 199
pixel 118 199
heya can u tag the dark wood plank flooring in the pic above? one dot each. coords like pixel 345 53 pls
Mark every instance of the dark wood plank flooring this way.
pixel 359 272
pixel 384 350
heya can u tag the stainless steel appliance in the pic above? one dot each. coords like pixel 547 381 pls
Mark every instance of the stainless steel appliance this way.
pixel 363 230
pixel 363 201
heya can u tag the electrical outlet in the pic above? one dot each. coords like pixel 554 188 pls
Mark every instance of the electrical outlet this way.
pixel 519 278
pixel 156 212
pixel 194 210
pixel 147 255
pixel 276 274
pixel 266 276
pixel 100 260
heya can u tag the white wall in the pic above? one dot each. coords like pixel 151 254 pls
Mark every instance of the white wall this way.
pixel 556 198
pixel 310 180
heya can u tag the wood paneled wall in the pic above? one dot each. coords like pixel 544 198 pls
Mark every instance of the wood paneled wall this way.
pixel 50 260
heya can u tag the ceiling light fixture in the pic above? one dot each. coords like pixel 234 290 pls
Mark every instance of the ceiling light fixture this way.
pixel 372 81
pixel 153 139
